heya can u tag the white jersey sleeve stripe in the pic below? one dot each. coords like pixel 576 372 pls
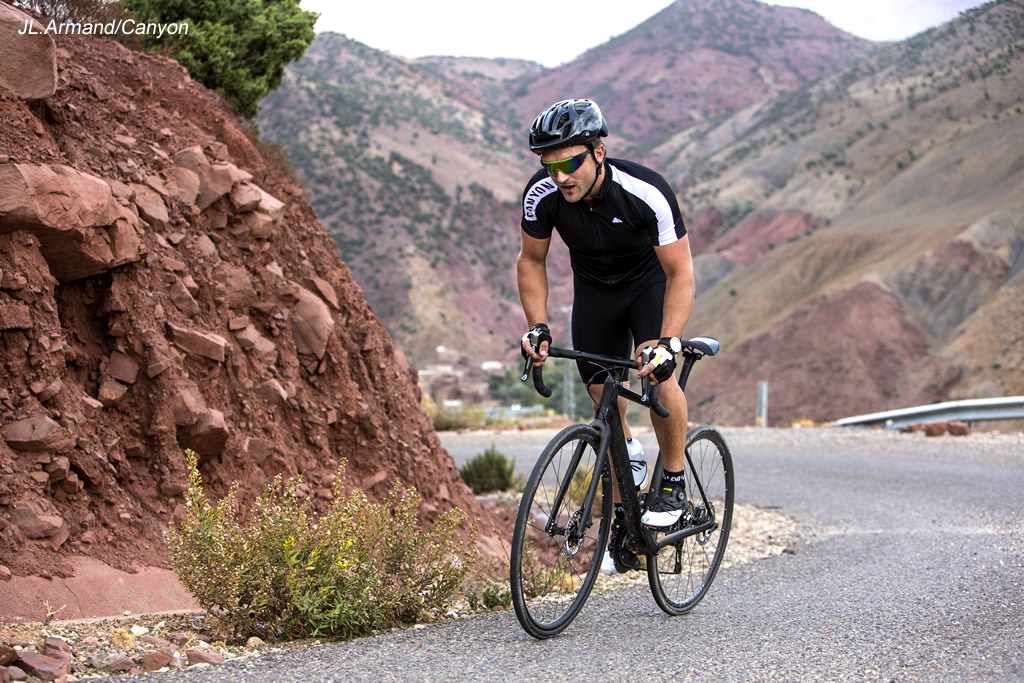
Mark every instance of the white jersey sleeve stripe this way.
pixel 654 199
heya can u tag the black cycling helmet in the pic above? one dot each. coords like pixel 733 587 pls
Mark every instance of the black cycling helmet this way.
pixel 569 122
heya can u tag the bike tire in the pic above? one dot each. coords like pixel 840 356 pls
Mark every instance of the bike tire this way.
pixel 681 574
pixel 551 573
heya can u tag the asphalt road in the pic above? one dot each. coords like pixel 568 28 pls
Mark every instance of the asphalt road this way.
pixel 908 565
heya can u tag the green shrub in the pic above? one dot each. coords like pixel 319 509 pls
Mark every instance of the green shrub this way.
pixel 237 47
pixel 489 471
pixel 495 595
pixel 451 419
pixel 359 568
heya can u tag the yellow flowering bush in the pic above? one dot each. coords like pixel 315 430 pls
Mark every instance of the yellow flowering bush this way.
pixel 359 568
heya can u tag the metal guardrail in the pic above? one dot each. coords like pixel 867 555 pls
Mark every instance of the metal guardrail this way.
pixel 968 410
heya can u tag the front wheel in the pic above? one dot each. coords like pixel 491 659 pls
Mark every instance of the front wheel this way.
pixel 557 544
pixel 682 572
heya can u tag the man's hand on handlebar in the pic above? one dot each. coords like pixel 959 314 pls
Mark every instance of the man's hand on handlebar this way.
pixel 536 342
pixel 655 359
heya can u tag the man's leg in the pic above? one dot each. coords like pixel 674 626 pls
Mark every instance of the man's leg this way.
pixel 671 430
pixel 669 499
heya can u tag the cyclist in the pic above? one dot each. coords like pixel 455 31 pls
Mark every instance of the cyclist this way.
pixel 632 270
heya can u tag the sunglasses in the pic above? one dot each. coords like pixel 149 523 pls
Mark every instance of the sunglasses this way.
pixel 570 165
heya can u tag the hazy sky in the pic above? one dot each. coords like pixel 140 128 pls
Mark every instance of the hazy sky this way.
pixel 544 32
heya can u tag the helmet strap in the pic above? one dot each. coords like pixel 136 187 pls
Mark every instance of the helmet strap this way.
pixel 596 175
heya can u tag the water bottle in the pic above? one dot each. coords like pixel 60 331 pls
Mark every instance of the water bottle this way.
pixel 637 462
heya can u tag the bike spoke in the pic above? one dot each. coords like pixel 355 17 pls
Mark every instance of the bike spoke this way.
pixel 555 554
pixel 700 555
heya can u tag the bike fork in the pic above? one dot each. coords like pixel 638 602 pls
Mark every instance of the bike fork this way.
pixel 584 521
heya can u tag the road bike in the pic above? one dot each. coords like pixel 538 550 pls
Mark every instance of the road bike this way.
pixel 565 514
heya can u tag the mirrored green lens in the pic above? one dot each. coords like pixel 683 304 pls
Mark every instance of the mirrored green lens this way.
pixel 570 165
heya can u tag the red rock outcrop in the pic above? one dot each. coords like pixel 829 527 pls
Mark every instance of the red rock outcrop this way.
pixel 162 286
pixel 30 60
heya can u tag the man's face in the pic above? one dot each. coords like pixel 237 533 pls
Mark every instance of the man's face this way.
pixel 575 184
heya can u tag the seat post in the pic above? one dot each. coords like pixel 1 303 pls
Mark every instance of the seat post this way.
pixel 688 359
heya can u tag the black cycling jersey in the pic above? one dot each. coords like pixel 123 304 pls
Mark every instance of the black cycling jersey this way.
pixel 611 243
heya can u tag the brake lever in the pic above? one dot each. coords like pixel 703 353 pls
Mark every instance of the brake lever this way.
pixel 649 394
pixel 526 369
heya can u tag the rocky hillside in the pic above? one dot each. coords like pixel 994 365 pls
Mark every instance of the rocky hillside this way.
pixel 163 286
pixel 417 186
pixel 416 167
pixel 854 208
pixel 876 240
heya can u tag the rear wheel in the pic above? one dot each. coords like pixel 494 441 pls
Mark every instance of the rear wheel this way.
pixel 557 545
pixel 681 573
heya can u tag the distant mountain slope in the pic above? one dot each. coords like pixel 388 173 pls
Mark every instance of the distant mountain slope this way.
pixel 416 167
pixel 910 169
pixel 693 62
pixel 416 186
pixel 855 209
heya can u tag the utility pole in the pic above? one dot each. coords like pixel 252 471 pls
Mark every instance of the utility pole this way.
pixel 762 404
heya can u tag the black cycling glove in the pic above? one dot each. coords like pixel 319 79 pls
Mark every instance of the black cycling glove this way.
pixel 537 334
pixel 664 362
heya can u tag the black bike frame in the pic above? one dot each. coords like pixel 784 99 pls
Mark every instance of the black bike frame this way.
pixel 608 423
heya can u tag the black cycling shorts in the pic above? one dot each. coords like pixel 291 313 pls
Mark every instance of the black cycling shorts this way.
pixel 611 322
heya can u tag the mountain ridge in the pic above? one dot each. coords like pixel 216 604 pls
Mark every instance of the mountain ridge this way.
pixel 846 179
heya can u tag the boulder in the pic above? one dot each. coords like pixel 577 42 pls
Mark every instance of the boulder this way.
pixel 122 367
pixel 82 229
pixel 12 281
pixel 257 224
pixel 150 205
pixel 323 288
pixel 43 667
pixel 270 205
pixel 215 180
pixel 187 405
pixel 197 656
pixel 247 336
pixel 205 344
pixel 312 324
pixel 45 391
pixel 38 433
pixel 91 406
pixel 272 392
pixel 234 286
pixel 28 63
pixel 112 661
pixel 183 184
pixel 34 525
pixel 57 647
pixel 182 299
pixel 958 428
pixel 207 437
pixel 110 391
pixel 245 197
pixel 15 316
pixel 153 661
